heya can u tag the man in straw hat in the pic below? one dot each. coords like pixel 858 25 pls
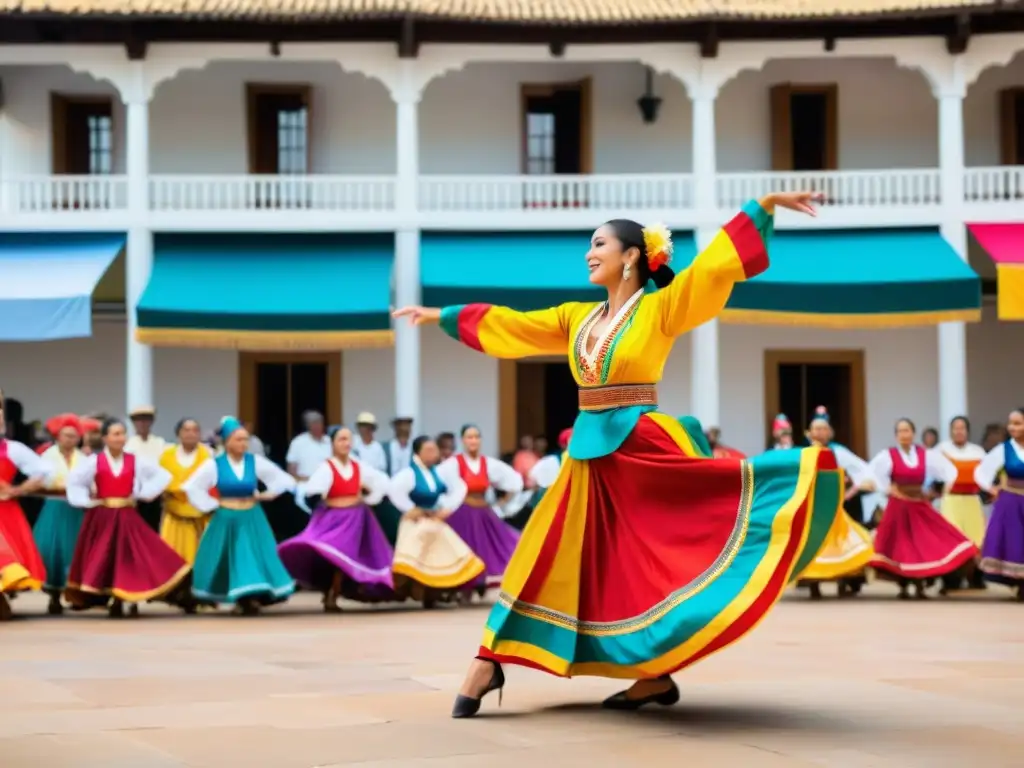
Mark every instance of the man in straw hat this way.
pixel 366 447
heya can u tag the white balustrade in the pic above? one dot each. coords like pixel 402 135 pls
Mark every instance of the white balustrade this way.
pixel 72 194
pixel 901 187
pixel 267 192
pixel 485 194
pixel 992 185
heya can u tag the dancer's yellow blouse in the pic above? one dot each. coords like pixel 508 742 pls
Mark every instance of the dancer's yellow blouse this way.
pixel 175 500
pixel 637 343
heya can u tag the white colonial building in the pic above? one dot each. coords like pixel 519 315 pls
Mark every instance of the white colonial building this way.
pixel 214 216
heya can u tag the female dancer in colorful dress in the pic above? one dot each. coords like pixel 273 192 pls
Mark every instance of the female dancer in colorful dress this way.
pixel 181 524
pixel 1002 558
pixel 915 544
pixel 718 539
pixel 847 551
pixel 782 433
pixel 343 551
pixel 17 457
pixel 237 561
pixel 477 522
pixel 961 500
pixel 118 558
pixel 56 530
pixel 431 562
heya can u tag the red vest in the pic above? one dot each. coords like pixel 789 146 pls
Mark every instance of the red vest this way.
pixel 476 482
pixel 342 488
pixel 110 486
pixel 904 475
pixel 7 467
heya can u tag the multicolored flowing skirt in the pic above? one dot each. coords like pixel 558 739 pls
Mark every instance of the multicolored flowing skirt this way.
pixel 847 552
pixel 491 539
pixel 119 556
pixel 913 541
pixel 15 530
pixel 642 562
pixel 964 510
pixel 346 539
pixel 14 577
pixel 56 533
pixel 237 560
pixel 1002 557
pixel 430 558
pixel 183 534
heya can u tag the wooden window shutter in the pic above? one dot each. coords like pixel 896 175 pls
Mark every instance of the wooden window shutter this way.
pixel 1008 129
pixel 58 134
pixel 782 128
pixel 831 127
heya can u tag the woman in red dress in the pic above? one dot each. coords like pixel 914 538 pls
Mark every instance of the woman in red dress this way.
pixel 915 544
pixel 118 558
pixel 19 544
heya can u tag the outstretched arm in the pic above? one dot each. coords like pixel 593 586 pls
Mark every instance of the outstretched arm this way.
pixel 738 252
pixel 499 331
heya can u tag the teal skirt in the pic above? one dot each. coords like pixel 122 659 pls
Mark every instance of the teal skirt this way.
pixel 237 560
pixel 56 532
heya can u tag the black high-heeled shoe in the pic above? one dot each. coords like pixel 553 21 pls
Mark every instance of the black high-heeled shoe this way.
pixel 622 701
pixel 467 706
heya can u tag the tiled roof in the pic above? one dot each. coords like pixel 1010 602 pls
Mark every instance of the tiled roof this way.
pixel 509 11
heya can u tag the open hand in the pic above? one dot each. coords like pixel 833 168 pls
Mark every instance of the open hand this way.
pixel 419 315
pixel 801 202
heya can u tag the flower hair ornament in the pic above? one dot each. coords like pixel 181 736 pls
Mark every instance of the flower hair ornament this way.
pixel 658 244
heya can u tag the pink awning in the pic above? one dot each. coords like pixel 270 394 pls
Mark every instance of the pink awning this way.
pixel 1004 243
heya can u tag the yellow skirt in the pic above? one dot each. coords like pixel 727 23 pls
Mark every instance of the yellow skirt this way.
pixel 847 551
pixel 182 534
pixel 432 554
pixel 966 513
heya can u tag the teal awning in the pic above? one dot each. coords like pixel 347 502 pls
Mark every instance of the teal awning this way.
pixel 268 291
pixel 47 280
pixel 858 279
pixel 523 270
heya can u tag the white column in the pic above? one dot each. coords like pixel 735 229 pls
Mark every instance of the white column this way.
pixel 952 342
pixel 704 165
pixel 952 337
pixel 139 251
pixel 407 250
pixel 704 378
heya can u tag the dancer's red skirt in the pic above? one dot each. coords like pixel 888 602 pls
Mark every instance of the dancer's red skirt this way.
pixel 15 531
pixel 913 541
pixel 118 555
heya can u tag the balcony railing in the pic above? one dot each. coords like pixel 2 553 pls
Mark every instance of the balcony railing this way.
pixel 992 185
pixel 43 194
pixel 493 194
pixel 841 188
pixel 257 193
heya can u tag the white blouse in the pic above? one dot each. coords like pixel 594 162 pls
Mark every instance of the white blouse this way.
pixel 375 483
pixel 403 483
pixel 185 460
pixel 854 466
pixel 937 467
pixel 59 467
pixel 499 474
pixel 204 480
pixel 985 473
pixel 150 479
pixel 28 462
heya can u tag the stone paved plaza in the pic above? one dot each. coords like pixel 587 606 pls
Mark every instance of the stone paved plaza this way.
pixel 852 684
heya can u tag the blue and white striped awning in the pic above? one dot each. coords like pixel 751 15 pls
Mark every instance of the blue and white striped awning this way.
pixel 47 280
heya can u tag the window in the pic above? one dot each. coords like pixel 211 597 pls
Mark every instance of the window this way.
pixel 556 129
pixel 278 129
pixel 83 135
pixel 1011 122
pixel 804 127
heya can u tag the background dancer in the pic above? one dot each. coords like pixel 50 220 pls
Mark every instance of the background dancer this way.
pixel 635 504
pixel 1002 558
pixel 961 499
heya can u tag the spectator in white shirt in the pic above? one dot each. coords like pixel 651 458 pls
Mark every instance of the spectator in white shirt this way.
pixel 399 448
pixel 144 443
pixel 310 449
pixel 366 448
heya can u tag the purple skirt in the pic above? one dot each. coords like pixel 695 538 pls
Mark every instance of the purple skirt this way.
pixel 491 539
pixel 1002 553
pixel 349 540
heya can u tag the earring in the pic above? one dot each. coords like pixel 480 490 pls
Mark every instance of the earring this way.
pixel 626 272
